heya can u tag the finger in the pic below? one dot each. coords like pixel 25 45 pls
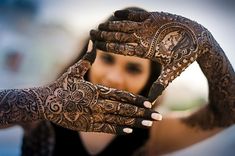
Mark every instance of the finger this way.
pixel 110 128
pixel 168 74
pixel 120 26
pixel 132 15
pixel 113 36
pixel 91 53
pixel 155 91
pixel 80 68
pixel 121 96
pixel 124 121
pixel 123 49
pixel 126 110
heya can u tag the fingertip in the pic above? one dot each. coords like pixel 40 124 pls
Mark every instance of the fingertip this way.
pixel 147 104
pixel 92 32
pixel 103 26
pixel 155 91
pixel 147 123
pixel 121 13
pixel 90 56
pixel 156 116
pixel 127 130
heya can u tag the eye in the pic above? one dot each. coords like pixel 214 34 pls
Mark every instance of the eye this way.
pixel 133 68
pixel 107 59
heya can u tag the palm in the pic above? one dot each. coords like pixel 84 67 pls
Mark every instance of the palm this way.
pixel 79 105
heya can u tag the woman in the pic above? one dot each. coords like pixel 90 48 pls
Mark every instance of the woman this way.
pixel 132 74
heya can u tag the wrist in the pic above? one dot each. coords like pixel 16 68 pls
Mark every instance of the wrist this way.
pixel 42 94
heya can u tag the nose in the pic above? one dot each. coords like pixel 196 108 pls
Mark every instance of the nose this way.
pixel 115 78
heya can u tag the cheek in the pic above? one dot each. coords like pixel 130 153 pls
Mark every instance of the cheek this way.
pixel 95 73
pixel 136 83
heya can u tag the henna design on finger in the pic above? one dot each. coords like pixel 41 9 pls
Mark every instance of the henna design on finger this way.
pixel 114 94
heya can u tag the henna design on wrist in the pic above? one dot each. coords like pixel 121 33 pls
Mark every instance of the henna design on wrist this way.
pixel 18 106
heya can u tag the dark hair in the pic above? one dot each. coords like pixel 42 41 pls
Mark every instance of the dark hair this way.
pixel 155 67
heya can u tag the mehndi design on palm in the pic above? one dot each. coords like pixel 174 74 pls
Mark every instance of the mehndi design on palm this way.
pixel 175 42
pixel 76 104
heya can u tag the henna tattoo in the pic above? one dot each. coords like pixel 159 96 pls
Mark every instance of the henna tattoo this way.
pixel 76 104
pixel 18 105
pixel 175 42
pixel 221 80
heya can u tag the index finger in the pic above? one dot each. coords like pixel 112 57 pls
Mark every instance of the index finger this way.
pixel 123 96
pixel 131 15
pixel 120 26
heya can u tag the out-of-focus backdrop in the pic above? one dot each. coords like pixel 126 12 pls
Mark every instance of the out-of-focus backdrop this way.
pixel 40 37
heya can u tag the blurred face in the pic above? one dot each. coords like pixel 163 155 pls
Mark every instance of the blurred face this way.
pixel 121 72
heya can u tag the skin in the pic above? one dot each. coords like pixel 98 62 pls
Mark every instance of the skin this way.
pixel 125 73
pixel 175 42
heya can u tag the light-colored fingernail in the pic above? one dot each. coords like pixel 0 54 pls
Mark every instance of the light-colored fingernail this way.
pixel 147 104
pixel 156 116
pixel 147 123
pixel 127 130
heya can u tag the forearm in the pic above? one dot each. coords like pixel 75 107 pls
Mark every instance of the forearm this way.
pixel 216 67
pixel 220 111
pixel 19 105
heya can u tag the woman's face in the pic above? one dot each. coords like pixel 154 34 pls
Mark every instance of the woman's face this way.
pixel 122 72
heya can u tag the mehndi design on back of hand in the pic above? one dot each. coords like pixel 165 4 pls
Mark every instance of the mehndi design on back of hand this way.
pixel 76 104
pixel 168 39
pixel 175 42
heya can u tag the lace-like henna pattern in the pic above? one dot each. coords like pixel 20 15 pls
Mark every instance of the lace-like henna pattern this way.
pixel 18 105
pixel 75 103
pixel 175 42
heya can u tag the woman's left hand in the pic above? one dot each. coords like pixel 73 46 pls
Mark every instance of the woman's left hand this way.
pixel 171 40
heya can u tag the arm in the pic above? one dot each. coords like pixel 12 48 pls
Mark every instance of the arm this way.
pixel 171 134
pixel 76 104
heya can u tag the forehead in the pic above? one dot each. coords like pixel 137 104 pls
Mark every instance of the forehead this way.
pixel 125 59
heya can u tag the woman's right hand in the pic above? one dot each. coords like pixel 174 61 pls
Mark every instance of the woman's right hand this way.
pixel 77 104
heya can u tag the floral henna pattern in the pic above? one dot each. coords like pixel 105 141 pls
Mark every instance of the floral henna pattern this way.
pixel 76 104
pixel 175 42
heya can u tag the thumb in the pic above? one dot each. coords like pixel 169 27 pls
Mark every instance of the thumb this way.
pixel 155 91
pixel 91 53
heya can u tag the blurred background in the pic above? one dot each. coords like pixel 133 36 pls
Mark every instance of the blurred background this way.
pixel 40 37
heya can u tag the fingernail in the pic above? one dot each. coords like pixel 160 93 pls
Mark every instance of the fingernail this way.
pixel 147 104
pixel 147 123
pixel 127 130
pixel 156 116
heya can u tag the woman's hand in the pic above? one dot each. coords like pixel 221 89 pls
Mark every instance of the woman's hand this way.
pixel 77 104
pixel 171 40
